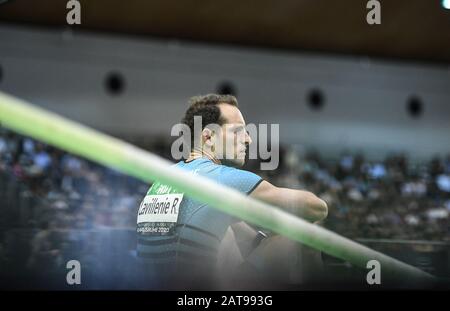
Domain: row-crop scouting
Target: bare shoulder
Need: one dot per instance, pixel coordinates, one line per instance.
(263, 190)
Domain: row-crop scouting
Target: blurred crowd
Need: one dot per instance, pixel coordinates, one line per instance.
(60, 199)
(53, 206)
(389, 199)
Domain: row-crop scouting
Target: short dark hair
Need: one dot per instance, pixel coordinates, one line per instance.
(206, 106)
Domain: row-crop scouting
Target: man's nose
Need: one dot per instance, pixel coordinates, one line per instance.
(248, 139)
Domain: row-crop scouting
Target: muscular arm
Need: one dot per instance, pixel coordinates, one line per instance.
(298, 202)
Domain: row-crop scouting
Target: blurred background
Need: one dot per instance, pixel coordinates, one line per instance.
(363, 110)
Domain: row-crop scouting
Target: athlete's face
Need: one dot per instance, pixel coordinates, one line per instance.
(233, 135)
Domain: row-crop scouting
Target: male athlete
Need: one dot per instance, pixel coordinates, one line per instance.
(192, 245)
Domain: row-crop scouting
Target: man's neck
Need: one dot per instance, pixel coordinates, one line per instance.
(195, 154)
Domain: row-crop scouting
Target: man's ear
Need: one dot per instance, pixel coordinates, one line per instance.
(206, 136)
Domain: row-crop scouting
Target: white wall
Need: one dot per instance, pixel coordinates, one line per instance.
(365, 108)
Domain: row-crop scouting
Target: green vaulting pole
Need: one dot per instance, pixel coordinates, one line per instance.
(73, 137)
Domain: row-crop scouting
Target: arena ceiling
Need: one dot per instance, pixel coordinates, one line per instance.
(417, 30)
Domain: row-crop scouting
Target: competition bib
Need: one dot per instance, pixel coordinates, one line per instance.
(158, 212)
